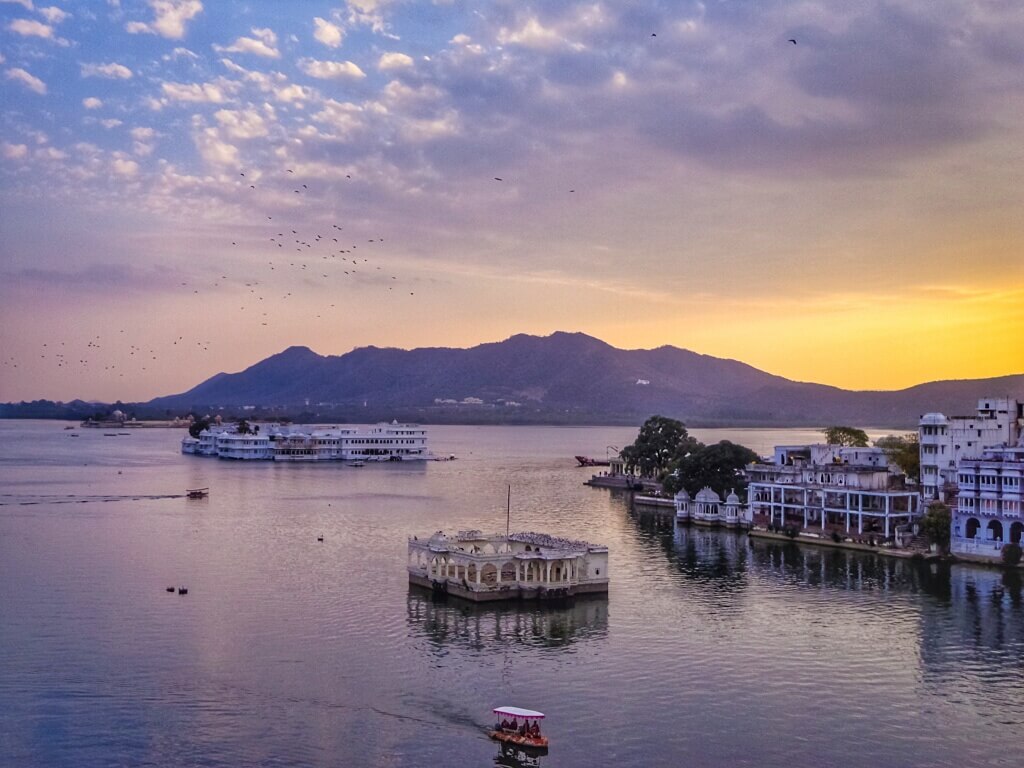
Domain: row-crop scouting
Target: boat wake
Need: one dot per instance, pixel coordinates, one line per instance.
(22, 500)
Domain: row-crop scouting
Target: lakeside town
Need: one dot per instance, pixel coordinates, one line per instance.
(952, 488)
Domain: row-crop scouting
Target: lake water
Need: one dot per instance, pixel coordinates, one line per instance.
(710, 650)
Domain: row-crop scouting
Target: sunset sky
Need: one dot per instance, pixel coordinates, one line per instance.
(848, 209)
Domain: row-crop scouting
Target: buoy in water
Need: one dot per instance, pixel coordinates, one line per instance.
(170, 589)
(182, 590)
(320, 537)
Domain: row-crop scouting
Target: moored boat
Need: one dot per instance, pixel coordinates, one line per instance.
(197, 493)
(509, 730)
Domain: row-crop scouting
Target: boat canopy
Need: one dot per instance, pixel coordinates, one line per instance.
(526, 714)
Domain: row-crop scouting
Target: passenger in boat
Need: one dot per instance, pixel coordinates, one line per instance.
(535, 730)
(515, 725)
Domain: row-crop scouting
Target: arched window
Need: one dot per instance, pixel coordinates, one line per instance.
(972, 527)
(995, 530)
(1015, 532)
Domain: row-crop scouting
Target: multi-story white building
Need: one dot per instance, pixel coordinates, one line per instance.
(306, 442)
(832, 489)
(944, 440)
(990, 502)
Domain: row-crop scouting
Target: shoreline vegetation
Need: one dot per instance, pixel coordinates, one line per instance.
(80, 410)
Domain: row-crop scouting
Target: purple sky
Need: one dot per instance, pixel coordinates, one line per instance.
(844, 210)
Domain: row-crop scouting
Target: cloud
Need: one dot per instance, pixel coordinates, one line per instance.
(110, 122)
(26, 4)
(14, 151)
(193, 92)
(390, 61)
(112, 71)
(91, 102)
(327, 33)
(532, 34)
(53, 14)
(19, 75)
(214, 150)
(169, 18)
(33, 28)
(124, 167)
(242, 123)
(331, 70)
(262, 43)
(294, 93)
(141, 133)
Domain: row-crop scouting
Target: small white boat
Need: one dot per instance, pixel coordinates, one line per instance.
(357, 464)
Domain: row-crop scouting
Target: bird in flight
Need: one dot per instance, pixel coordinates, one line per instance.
(497, 179)
(792, 41)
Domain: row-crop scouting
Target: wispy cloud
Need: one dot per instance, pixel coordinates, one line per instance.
(30, 81)
(111, 71)
(170, 18)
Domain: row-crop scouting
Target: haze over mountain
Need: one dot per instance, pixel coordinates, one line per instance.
(565, 377)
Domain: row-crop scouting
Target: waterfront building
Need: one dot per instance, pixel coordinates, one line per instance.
(308, 442)
(482, 567)
(944, 440)
(989, 503)
(707, 508)
(831, 490)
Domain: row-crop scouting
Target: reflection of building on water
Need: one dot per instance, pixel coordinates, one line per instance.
(512, 756)
(484, 626)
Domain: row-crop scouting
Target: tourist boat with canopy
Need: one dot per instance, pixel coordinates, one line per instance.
(520, 727)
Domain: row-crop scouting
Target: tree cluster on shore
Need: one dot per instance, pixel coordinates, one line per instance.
(664, 450)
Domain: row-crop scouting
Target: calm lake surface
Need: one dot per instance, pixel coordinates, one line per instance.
(710, 650)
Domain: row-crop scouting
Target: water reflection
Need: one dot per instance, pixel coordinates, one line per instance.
(511, 756)
(481, 628)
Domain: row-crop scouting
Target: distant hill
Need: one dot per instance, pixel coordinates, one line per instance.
(562, 378)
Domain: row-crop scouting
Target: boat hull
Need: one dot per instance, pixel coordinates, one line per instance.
(536, 743)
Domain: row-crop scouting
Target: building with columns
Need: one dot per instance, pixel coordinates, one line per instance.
(481, 567)
(707, 508)
(843, 491)
(945, 439)
(989, 503)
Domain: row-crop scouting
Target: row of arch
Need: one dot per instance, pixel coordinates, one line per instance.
(994, 530)
(546, 571)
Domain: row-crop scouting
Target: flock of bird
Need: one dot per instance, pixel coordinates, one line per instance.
(325, 257)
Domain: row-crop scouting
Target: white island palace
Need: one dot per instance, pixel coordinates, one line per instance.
(481, 567)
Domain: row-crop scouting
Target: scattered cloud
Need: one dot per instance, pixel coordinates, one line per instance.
(14, 151)
(243, 123)
(112, 71)
(193, 92)
(92, 102)
(392, 61)
(262, 43)
(124, 167)
(26, 4)
(33, 28)
(140, 133)
(53, 14)
(213, 149)
(331, 70)
(170, 18)
(19, 75)
(328, 33)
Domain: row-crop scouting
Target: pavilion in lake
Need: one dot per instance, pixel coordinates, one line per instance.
(482, 567)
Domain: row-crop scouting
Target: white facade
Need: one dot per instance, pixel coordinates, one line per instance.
(307, 442)
(707, 508)
(476, 566)
(944, 440)
(990, 502)
(851, 492)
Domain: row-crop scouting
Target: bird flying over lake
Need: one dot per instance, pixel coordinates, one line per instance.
(792, 41)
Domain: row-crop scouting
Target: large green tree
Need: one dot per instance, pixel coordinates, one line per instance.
(661, 442)
(935, 524)
(198, 426)
(849, 436)
(719, 467)
(903, 451)
(243, 427)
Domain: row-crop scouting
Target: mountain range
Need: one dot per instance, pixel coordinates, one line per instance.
(562, 378)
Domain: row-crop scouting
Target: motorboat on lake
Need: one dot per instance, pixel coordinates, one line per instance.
(520, 727)
(197, 493)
